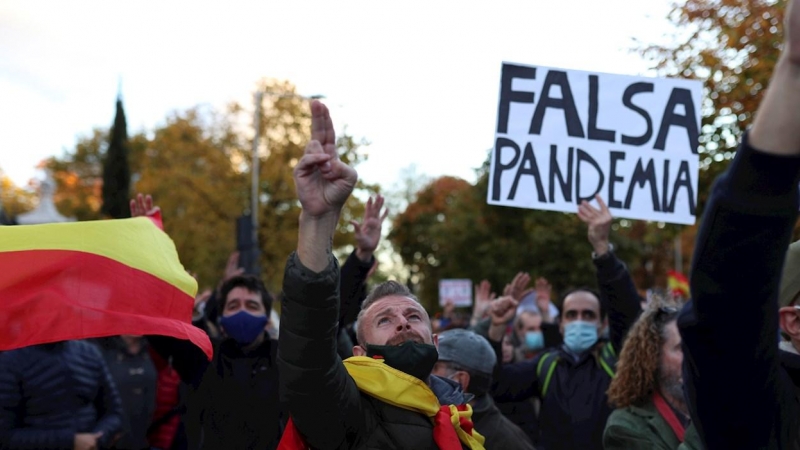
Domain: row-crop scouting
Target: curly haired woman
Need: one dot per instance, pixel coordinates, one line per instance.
(648, 388)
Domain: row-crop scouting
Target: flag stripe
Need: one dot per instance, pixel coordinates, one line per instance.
(54, 295)
(136, 242)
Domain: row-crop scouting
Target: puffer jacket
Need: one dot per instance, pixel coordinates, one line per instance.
(326, 406)
(51, 392)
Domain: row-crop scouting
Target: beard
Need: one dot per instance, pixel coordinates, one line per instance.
(405, 336)
(671, 386)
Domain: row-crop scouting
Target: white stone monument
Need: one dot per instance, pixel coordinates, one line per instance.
(46, 212)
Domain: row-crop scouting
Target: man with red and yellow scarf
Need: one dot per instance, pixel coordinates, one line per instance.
(384, 396)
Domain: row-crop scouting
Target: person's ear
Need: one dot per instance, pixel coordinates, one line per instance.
(436, 341)
(790, 322)
(359, 351)
(462, 378)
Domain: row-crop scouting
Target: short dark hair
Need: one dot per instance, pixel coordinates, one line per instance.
(602, 304)
(383, 290)
(249, 282)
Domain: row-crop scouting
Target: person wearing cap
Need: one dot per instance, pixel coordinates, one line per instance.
(469, 360)
(742, 385)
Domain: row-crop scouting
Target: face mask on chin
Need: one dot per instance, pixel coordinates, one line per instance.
(409, 357)
(243, 327)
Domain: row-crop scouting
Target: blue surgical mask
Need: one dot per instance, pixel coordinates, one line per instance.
(534, 340)
(243, 326)
(579, 336)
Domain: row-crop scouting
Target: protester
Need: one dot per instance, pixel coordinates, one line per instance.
(135, 377)
(167, 431)
(233, 400)
(743, 390)
(357, 268)
(384, 397)
(57, 396)
(469, 360)
(648, 389)
(571, 380)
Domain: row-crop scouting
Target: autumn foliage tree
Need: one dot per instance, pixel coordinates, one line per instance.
(732, 47)
(197, 167)
(449, 231)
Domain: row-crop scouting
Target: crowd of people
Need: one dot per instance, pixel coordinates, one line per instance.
(347, 367)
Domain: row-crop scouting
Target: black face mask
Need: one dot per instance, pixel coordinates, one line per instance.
(409, 357)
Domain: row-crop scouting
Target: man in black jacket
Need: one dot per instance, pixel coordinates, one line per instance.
(387, 399)
(742, 389)
(571, 380)
(468, 359)
(233, 400)
(57, 396)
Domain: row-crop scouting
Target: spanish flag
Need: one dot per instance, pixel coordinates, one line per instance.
(678, 284)
(93, 279)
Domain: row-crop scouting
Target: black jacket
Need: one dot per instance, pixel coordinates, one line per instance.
(574, 408)
(326, 406)
(353, 291)
(500, 433)
(741, 388)
(51, 392)
(135, 377)
(233, 400)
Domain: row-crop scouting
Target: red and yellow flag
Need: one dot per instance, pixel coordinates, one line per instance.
(678, 284)
(93, 279)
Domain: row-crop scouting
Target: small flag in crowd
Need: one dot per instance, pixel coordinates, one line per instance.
(678, 284)
(93, 279)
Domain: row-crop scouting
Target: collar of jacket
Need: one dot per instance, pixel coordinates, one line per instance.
(231, 349)
(790, 361)
(654, 420)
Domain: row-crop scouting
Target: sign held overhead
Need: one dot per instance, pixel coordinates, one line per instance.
(564, 136)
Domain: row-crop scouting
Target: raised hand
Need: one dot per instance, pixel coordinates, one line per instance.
(599, 221)
(543, 297)
(368, 231)
(323, 182)
(518, 288)
(502, 311)
(483, 299)
(143, 205)
(792, 32)
(232, 268)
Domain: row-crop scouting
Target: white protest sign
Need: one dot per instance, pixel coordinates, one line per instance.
(457, 291)
(563, 136)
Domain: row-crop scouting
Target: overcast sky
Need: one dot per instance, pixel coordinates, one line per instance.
(418, 79)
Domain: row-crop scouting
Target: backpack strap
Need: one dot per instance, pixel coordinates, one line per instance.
(545, 369)
(608, 359)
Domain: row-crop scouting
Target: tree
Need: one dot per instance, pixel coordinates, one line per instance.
(13, 199)
(197, 167)
(732, 47)
(449, 231)
(116, 172)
